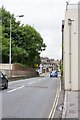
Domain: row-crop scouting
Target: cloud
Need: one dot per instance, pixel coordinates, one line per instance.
(46, 16)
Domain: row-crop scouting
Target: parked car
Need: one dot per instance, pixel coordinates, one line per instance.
(3, 81)
(54, 73)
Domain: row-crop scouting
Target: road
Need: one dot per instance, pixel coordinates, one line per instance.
(30, 98)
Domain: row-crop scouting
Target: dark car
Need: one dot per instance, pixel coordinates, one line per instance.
(53, 73)
(3, 81)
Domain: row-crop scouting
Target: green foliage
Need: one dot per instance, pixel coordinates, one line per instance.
(26, 42)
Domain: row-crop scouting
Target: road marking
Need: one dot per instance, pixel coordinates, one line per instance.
(32, 82)
(54, 104)
(15, 89)
(23, 86)
(43, 78)
(11, 82)
(39, 80)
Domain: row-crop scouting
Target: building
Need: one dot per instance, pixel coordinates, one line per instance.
(47, 64)
(71, 47)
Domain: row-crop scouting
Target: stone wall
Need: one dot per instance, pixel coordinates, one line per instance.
(18, 70)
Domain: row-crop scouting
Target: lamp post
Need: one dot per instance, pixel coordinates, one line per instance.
(10, 42)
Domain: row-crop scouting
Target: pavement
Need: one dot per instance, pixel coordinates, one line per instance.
(71, 105)
(68, 105)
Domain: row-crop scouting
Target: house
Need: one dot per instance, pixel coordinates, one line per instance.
(47, 64)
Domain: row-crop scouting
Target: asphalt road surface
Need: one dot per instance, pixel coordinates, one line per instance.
(29, 98)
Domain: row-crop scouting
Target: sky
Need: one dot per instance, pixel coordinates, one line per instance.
(46, 16)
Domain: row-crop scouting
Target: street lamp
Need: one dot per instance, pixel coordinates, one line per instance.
(10, 41)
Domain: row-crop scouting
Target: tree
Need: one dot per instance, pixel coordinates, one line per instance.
(27, 43)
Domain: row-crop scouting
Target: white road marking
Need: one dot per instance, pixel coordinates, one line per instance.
(22, 86)
(19, 81)
(50, 116)
(32, 82)
(15, 89)
(43, 78)
(54, 104)
(38, 80)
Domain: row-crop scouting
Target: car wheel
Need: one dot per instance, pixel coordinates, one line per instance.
(6, 86)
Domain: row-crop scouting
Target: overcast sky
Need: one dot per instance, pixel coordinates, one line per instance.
(46, 16)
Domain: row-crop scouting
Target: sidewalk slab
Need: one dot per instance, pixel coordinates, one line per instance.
(71, 104)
